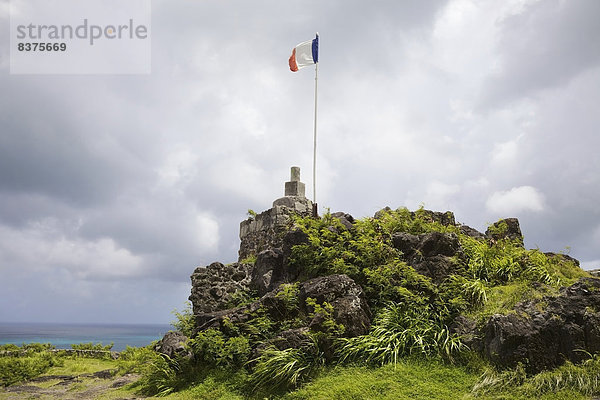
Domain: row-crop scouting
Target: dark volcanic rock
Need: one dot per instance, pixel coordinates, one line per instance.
(346, 297)
(438, 244)
(213, 287)
(172, 344)
(430, 254)
(272, 267)
(513, 231)
(346, 219)
(472, 232)
(544, 333)
(268, 263)
(563, 258)
(437, 267)
(444, 218)
(406, 243)
(467, 329)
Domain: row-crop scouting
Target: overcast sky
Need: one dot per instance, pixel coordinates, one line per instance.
(113, 188)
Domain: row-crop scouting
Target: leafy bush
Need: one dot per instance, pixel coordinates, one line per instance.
(92, 347)
(185, 322)
(133, 359)
(18, 369)
(397, 282)
(288, 293)
(324, 312)
(212, 348)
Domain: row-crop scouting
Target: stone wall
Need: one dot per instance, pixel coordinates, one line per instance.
(266, 230)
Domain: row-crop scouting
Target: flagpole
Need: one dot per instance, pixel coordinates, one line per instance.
(315, 140)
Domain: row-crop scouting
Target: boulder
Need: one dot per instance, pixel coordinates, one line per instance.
(173, 344)
(472, 232)
(406, 243)
(268, 263)
(346, 219)
(542, 334)
(438, 244)
(430, 254)
(512, 231)
(346, 297)
(444, 218)
(467, 329)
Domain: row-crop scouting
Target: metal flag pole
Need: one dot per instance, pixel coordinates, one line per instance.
(315, 207)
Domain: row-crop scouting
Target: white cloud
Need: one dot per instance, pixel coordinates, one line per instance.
(208, 231)
(438, 193)
(42, 247)
(505, 154)
(515, 200)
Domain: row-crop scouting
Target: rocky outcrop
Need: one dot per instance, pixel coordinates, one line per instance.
(444, 218)
(544, 333)
(346, 297)
(215, 286)
(507, 228)
(541, 333)
(272, 267)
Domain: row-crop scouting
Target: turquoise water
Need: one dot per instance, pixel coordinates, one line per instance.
(63, 335)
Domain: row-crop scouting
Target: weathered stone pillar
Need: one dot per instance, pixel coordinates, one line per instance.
(294, 187)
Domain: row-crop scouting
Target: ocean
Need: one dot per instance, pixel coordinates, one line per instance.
(63, 335)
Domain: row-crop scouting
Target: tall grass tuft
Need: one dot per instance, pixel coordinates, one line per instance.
(583, 378)
(287, 368)
(400, 330)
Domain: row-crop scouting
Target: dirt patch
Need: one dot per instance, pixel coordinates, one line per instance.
(70, 387)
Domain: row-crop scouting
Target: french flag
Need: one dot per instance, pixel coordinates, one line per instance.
(305, 54)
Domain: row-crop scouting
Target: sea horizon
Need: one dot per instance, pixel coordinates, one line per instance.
(62, 335)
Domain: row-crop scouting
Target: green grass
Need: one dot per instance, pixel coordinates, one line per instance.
(503, 298)
(413, 378)
(408, 380)
(79, 365)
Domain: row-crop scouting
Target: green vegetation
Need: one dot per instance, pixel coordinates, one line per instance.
(15, 369)
(185, 320)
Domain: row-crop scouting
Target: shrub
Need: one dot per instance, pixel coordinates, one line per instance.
(185, 322)
(212, 348)
(18, 369)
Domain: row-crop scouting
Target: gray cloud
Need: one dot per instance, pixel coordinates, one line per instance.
(544, 46)
(114, 188)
